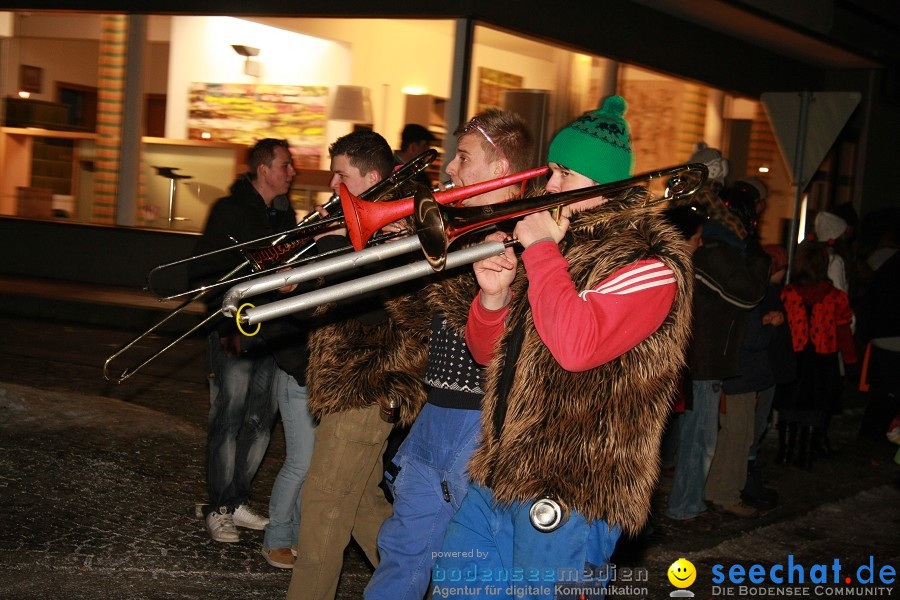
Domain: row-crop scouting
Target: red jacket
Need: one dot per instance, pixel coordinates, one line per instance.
(830, 312)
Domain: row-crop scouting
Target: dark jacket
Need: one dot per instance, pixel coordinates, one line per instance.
(288, 337)
(240, 217)
(731, 276)
(757, 372)
(877, 310)
(781, 351)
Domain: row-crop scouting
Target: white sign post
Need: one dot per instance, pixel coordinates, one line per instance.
(806, 124)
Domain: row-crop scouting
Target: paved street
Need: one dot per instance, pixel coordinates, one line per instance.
(99, 483)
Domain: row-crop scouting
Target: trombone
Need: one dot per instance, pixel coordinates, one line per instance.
(436, 228)
(379, 191)
(357, 216)
(288, 246)
(362, 221)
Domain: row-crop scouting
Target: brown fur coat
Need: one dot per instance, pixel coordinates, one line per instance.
(590, 438)
(354, 365)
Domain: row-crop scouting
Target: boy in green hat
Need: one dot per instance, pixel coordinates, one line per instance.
(583, 343)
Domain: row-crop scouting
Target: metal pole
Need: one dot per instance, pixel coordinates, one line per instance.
(171, 200)
(799, 186)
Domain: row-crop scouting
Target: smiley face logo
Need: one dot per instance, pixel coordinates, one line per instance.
(682, 573)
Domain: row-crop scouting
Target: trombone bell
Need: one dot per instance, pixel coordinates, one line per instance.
(438, 226)
(431, 230)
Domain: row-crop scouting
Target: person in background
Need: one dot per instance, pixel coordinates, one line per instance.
(783, 366)
(287, 337)
(816, 311)
(414, 140)
(782, 359)
(707, 197)
(879, 325)
(428, 476)
(848, 247)
(572, 415)
(737, 421)
(688, 219)
(366, 359)
(754, 187)
(731, 274)
(242, 409)
(830, 231)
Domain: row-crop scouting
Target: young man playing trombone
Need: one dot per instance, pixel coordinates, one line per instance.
(428, 475)
(582, 346)
(365, 357)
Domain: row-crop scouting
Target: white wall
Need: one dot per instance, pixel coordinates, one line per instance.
(541, 66)
(200, 51)
(388, 56)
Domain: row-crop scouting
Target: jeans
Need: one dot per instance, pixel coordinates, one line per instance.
(494, 551)
(699, 429)
(428, 488)
(299, 438)
(241, 414)
(341, 498)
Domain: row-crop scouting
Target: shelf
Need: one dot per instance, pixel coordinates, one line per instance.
(63, 162)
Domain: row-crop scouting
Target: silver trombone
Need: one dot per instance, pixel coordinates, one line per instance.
(436, 228)
(285, 248)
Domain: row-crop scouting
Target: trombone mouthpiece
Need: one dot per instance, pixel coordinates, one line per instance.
(443, 187)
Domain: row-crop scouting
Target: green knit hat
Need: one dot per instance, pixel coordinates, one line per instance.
(597, 145)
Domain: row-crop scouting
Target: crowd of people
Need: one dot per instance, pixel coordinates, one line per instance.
(768, 351)
(535, 389)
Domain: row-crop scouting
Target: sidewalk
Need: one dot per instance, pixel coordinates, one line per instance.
(98, 487)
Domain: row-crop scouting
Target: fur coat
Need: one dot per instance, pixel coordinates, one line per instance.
(354, 363)
(590, 439)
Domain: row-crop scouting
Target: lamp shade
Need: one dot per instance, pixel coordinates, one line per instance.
(351, 103)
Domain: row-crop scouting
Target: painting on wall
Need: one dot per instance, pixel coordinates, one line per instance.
(243, 113)
(491, 84)
(30, 79)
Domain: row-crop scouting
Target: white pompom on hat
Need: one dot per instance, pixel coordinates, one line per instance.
(829, 227)
(713, 159)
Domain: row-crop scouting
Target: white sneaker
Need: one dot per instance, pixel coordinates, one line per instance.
(220, 525)
(244, 517)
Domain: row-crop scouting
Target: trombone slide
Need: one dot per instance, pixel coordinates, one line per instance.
(368, 283)
(328, 266)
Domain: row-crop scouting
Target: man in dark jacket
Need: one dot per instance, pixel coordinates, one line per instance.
(242, 409)
(731, 272)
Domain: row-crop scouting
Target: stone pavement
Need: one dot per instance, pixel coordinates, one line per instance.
(98, 487)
